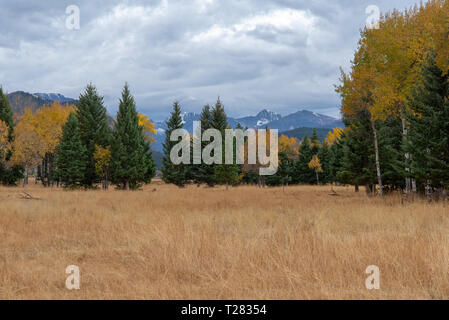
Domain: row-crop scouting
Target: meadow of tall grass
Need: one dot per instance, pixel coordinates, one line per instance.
(211, 243)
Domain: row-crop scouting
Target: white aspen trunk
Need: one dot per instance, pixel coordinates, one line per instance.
(376, 151)
(408, 186)
(429, 194)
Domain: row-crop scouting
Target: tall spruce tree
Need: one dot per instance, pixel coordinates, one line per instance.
(6, 114)
(428, 137)
(324, 156)
(131, 160)
(71, 155)
(203, 173)
(302, 173)
(8, 175)
(335, 159)
(227, 174)
(93, 128)
(391, 154)
(171, 173)
(284, 174)
(358, 166)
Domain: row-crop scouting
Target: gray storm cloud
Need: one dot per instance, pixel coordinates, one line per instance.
(283, 55)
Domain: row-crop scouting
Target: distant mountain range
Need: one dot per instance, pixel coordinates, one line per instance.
(271, 119)
(297, 124)
(20, 100)
(304, 120)
(55, 97)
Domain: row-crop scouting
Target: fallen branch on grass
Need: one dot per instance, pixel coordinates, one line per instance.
(26, 196)
(333, 193)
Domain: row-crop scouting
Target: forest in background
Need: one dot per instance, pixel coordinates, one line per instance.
(394, 103)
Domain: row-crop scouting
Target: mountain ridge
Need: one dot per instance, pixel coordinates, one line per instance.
(265, 118)
(304, 119)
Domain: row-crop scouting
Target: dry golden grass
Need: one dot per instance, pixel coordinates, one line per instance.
(200, 243)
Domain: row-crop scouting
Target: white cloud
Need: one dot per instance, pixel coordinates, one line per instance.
(281, 20)
(281, 54)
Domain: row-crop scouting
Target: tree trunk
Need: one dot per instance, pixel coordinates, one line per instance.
(261, 181)
(368, 190)
(50, 170)
(429, 193)
(376, 151)
(126, 185)
(356, 188)
(44, 171)
(317, 178)
(408, 185)
(25, 178)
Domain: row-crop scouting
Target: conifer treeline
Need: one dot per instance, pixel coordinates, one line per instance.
(86, 152)
(87, 138)
(394, 102)
(200, 173)
(308, 162)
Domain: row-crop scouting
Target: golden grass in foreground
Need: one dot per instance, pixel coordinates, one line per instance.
(200, 243)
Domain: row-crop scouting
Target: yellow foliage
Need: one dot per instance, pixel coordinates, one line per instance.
(27, 145)
(4, 140)
(315, 164)
(388, 61)
(39, 133)
(102, 158)
(147, 125)
(289, 145)
(334, 135)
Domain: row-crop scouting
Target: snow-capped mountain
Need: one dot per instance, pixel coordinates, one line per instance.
(306, 119)
(260, 120)
(20, 100)
(265, 118)
(54, 97)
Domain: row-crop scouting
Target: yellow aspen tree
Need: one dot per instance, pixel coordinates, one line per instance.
(334, 135)
(315, 164)
(102, 158)
(148, 126)
(4, 140)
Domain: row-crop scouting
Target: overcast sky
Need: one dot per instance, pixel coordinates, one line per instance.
(282, 55)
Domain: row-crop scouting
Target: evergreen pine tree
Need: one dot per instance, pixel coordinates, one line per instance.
(71, 155)
(314, 139)
(219, 120)
(131, 160)
(357, 162)
(302, 173)
(93, 128)
(335, 159)
(428, 136)
(324, 156)
(8, 175)
(283, 176)
(227, 174)
(6, 114)
(204, 173)
(171, 173)
(391, 154)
